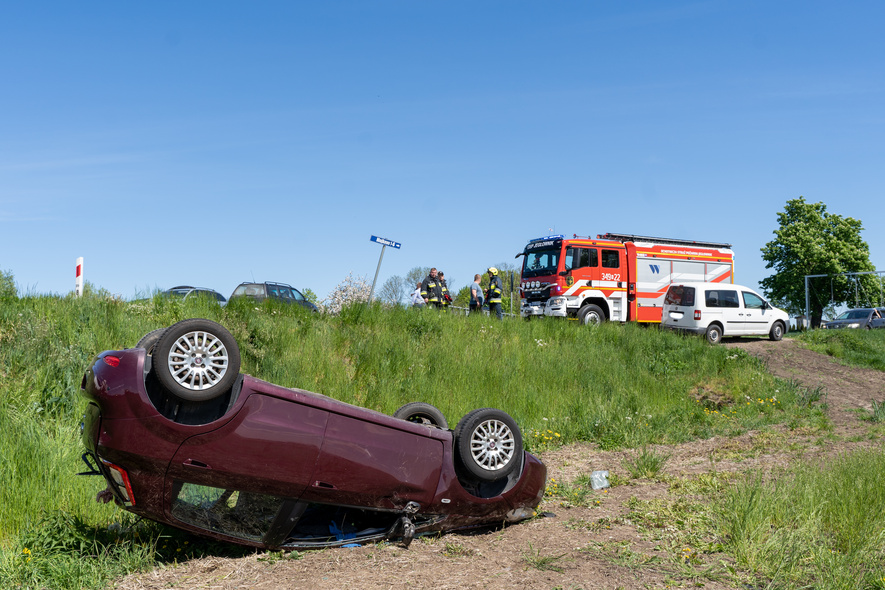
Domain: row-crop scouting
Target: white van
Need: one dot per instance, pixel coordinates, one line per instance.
(721, 309)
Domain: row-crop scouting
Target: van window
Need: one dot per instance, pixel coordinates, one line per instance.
(611, 259)
(722, 298)
(753, 301)
(679, 295)
(581, 258)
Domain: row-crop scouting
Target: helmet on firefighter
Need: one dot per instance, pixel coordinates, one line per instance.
(493, 270)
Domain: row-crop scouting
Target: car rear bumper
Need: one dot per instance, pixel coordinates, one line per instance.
(687, 329)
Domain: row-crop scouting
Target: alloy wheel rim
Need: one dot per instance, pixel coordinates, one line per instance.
(198, 360)
(492, 445)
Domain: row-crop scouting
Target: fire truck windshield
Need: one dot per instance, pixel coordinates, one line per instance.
(540, 262)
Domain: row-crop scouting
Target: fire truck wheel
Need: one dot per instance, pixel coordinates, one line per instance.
(421, 413)
(591, 315)
(196, 360)
(714, 333)
(149, 340)
(488, 444)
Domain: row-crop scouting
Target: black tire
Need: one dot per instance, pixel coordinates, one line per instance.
(591, 315)
(489, 444)
(421, 413)
(197, 360)
(149, 340)
(777, 331)
(714, 334)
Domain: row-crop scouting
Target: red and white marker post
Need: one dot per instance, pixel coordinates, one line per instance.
(78, 285)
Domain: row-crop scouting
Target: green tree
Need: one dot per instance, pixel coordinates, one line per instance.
(393, 291)
(7, 286)
(396, 289)
(311, 296)
(415, 276)
(811, 241)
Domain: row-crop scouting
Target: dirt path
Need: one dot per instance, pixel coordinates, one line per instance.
(579, 542)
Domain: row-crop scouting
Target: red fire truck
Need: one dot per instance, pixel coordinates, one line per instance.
(616, 277)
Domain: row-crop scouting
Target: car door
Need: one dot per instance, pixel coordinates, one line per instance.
(270, 446)
(243, 480)
(722, 305)
(756, 314)
(364, 462)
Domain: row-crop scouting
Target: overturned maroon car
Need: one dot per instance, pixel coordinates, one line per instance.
(183, 438)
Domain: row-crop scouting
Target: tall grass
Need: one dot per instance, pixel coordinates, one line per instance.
(818, 526)
(615, 385)
(863, 348)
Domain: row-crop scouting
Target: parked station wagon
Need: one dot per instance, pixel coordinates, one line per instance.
(721, 309)
(865, 318)
(183, 438)
(279, 291)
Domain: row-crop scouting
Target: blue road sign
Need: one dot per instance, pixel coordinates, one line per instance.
(385, 242)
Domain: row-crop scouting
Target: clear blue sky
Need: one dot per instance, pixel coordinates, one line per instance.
(208, 142)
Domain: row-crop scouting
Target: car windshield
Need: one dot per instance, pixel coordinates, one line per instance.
(541, 262)
(854, 314)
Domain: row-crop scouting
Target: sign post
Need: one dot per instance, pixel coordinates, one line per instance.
(78, 282)
(384, 244)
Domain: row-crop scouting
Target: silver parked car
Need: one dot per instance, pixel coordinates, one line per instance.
(186, 291)
(864, 317)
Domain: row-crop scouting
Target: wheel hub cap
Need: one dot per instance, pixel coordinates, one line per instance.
(492, 445)
(198, 360)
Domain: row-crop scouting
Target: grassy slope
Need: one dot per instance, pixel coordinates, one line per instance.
(617, 386)
(860, 348)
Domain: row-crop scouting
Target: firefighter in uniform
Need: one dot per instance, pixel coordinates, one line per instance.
(431, 289)
(494, 292)
(446, 299)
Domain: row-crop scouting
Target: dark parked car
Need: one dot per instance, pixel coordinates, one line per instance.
(865, 317)
(181, 437)
(186, 291)
(281, 291)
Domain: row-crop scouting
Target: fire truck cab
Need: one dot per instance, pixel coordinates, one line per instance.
(614, 277)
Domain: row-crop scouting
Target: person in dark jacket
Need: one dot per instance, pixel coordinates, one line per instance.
(494, 292)
(431, 289)
(446, 298)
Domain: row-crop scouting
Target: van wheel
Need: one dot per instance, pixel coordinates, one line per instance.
(714, 334)
(591, 315)
(777, 331)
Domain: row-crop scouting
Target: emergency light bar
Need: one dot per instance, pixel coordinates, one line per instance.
(556, 237)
